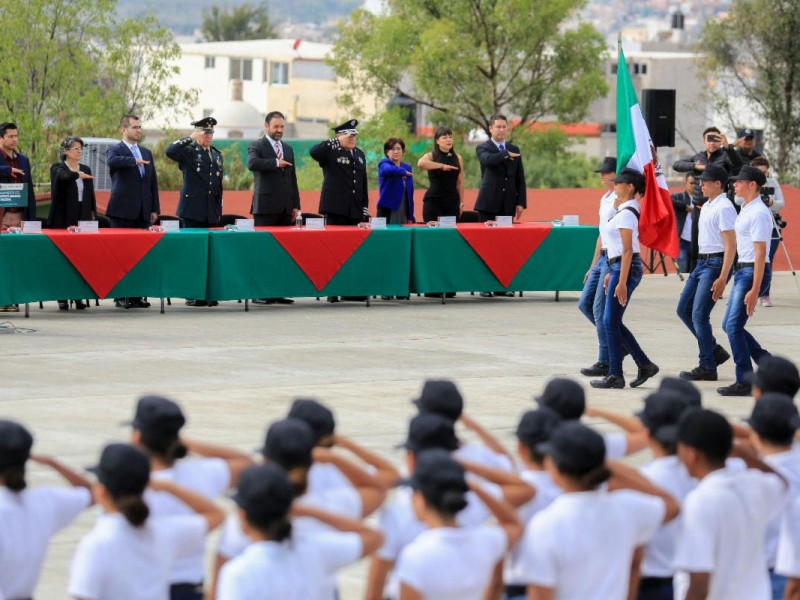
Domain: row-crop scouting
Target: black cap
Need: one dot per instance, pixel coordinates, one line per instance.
(207, 124)
(565, 396)
(706, 431)
(316, 415)
(714, 173)
(745, 133)
(441, 396)
(436, 472)
(15, 444)
(347, 128)
(429, 430)
(158, 416)
(748, 173)
(536, 426)
(264, 493)
(609, 165)
(289, 443)
(661, 414)
(775, 417)
(776, 374)
(632, 176)
(575, 448)
(683, 387)
(124, 470)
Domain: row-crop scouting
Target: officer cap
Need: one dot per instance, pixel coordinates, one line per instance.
(347, 128)
(206, 124)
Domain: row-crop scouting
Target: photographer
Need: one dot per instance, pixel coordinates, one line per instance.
(772, 196)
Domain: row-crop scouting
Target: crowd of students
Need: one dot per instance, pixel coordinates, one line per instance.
(713, 514)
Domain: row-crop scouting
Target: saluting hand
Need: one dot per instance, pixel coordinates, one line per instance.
(82, 175)
(513, 155)
(19, 172)
(448, 167)
(141, 161)
(284, 163)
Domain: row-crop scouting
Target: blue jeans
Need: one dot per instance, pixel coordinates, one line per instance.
(778, 583)
(617, 334)
(743, 344)
(683, 256)
(766, 283)
(593, 302)
(695, 306)
(656, 592)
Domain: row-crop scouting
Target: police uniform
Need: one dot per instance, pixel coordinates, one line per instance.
(200, 204)
(343, 199)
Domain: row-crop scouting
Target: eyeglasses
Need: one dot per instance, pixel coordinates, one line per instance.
(76, 148)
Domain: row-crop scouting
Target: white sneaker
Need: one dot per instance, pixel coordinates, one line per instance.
(765, 301)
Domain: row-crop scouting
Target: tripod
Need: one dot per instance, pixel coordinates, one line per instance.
(657, 260)
(779, 231)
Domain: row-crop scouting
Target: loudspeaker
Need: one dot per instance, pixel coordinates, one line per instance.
(658, 108)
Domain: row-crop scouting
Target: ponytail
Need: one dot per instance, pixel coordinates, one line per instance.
(169, 449)
(14, 478)
(592, 479)
(448, 503)
(133, 508)
(280, 530)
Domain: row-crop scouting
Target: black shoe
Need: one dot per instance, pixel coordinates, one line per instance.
(407, 297)
(196, 303)
(139, 303)
(645, 373)
(386, 297)
(354, 298)
(598, 369)
(80, 305)
(123, 303)
(699, 374)
(212, 303)
(487, 294)
(263, 301)
(283, 300)
(616, 382)
(333, 299)
(504, 294)
(448, 295)
(433, 295)
(735, 389)
(63, 305)
(721, 355)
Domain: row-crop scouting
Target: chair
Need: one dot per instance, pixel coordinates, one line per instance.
(103, 222)
(469, 216)
(167, 218)
(229, 220)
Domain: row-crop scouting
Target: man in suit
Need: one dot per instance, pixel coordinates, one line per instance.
(134, 187)
(682, 204)
(276, 199)
(502, 191)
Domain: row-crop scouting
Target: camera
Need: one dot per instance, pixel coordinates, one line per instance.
(713, 138)
(767, 191)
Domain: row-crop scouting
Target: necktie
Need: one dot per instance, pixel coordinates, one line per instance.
(138, 156)
(278, 152)
(502, 147)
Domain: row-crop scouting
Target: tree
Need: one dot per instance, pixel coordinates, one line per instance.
(244, 22)
(469, 59)
(752, 56)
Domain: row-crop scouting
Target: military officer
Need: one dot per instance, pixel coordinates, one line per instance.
(343, 199)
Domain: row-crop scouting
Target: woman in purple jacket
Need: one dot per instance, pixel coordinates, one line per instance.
(396, 183)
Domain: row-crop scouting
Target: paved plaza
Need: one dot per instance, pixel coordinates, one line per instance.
(75, 378)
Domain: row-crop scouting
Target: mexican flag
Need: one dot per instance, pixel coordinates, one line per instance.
(635, 150)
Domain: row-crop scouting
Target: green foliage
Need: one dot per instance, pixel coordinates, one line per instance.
(244, 22)
(752, 56)
(236, 175)
(549, 163)
(469, 59)
(170, 176)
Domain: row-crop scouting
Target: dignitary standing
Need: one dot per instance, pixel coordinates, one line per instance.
(276, 199)
(200, 204)
(717, 245)
(15, 168)
(502, 190)
(753, 232)
(343, 199)
(446, 176)
(396, 183)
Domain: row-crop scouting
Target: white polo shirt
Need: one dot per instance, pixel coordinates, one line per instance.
(28, 519)
(754, 224)
(295, 569)
(209, 477)
(325, 476)
(623, 219)
(116, 561)
(787, 561)
(669, 474)
(716, 216)
(481, 454)
(787, 464)
(607, 212)
(722, 530)
(452, 563)
(581, 546)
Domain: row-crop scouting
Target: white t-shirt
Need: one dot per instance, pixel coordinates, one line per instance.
(754, 224)
(581, 546)
(716, 216)
(28, 519)
(669, 474)
(788, 559)
(325, 476)
(452, 563)
(623, 219)
(722, 532)
(481, 454)
(616, 445)
(291, 570)
(607, 212)
(788, 465)
(116, 561)
(209, 477)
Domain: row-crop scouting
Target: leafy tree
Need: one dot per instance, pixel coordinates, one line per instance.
(752, 55)
(469, 59)
(244, 22)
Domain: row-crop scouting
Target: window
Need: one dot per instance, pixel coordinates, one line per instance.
(614, 68)
(639, 69)
(279, 73)
(312, 69)
(211, 62)
(241, 68)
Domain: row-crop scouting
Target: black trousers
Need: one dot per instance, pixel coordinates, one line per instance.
(118, 223)
(273, 220)
(432, 210)
(340, 220)
(192, 224)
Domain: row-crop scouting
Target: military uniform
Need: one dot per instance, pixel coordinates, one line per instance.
(343, 198)
(200, 203)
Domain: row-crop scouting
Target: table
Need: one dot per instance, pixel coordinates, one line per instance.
(112, 263)
(525, 257)
(283, 262)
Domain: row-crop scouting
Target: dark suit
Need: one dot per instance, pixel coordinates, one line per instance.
(502, 181)
(201, 193)
(66, 209)
(344, 186)
(133, 196)
(29, 212)
(275, 193)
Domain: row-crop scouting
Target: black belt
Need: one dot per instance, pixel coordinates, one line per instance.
(744, 265)
(185, 587)
(516, 590)
(617, 259)
(712, 255)
(648, 583)
(603, 252)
